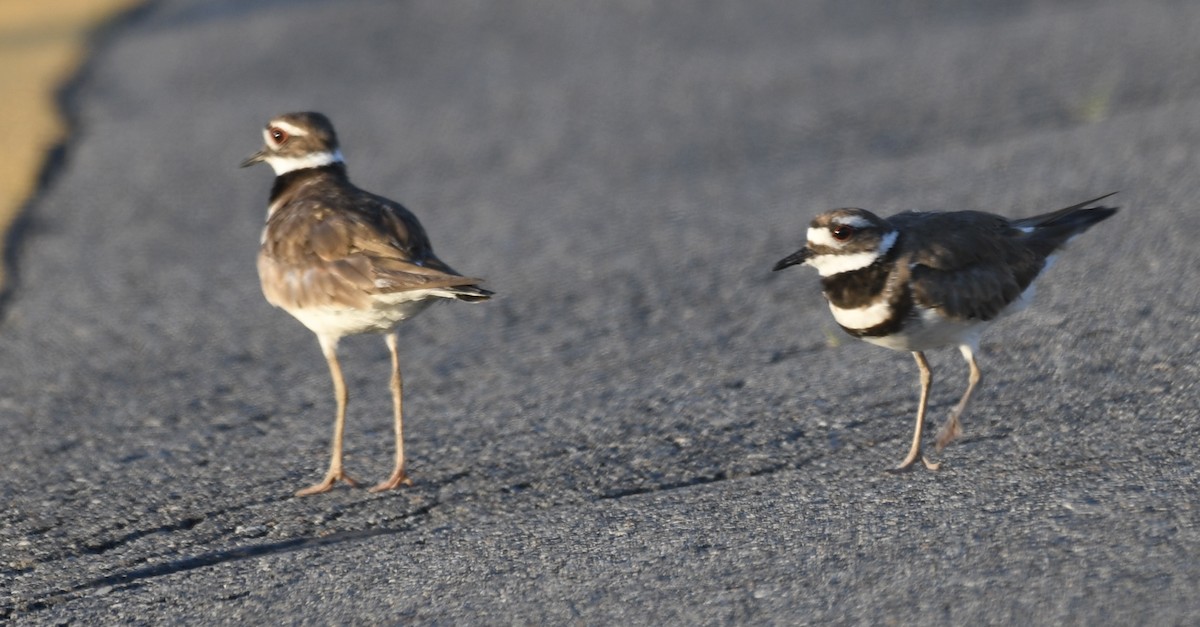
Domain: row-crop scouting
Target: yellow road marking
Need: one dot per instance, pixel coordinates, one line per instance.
(42, 43)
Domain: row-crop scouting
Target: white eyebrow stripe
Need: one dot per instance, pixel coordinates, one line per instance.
(857, 222)
(291, 129)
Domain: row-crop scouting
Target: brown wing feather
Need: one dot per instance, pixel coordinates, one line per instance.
(315, 256)
(954, 266)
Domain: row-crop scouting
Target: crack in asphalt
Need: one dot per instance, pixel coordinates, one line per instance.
(129, 578)
(107, 545)
(716, 477)
(98, 547)
(236, 554)
(621, 493)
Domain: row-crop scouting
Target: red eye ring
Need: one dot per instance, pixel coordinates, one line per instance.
(277, 134)
(842, 232)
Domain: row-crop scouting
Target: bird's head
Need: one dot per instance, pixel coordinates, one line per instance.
(843, 240)
(295, 141)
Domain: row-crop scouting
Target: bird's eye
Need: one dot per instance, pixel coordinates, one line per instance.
(278, 135)
(842, 232)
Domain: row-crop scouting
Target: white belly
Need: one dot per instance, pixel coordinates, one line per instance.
(386, 311)
(926, 331)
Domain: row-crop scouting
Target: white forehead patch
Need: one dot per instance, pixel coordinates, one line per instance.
(834, 263)
(283, 165)
(291, 129)
(821, 237)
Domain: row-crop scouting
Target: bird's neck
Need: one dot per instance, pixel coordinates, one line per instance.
(289, 180)
(856, 288)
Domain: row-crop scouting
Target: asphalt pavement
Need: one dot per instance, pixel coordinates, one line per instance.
(646, 425)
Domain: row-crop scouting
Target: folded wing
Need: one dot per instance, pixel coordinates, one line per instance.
(320, 257)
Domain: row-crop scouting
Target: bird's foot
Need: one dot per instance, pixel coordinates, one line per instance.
(398, 478)
(327, 484)
(908, 464)
(952, 429)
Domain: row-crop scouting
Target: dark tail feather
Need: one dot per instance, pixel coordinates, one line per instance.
(1065, 223)
(1082, 204)
(471, 293)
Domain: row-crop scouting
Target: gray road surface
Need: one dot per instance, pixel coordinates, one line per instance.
(647, 426)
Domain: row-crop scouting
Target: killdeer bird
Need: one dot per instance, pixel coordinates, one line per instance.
(919, 281)
(344, 261)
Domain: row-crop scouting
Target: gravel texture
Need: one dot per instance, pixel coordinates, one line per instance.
(646, 426)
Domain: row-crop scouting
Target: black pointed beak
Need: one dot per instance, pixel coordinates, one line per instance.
(796, 258)
(257, 157)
